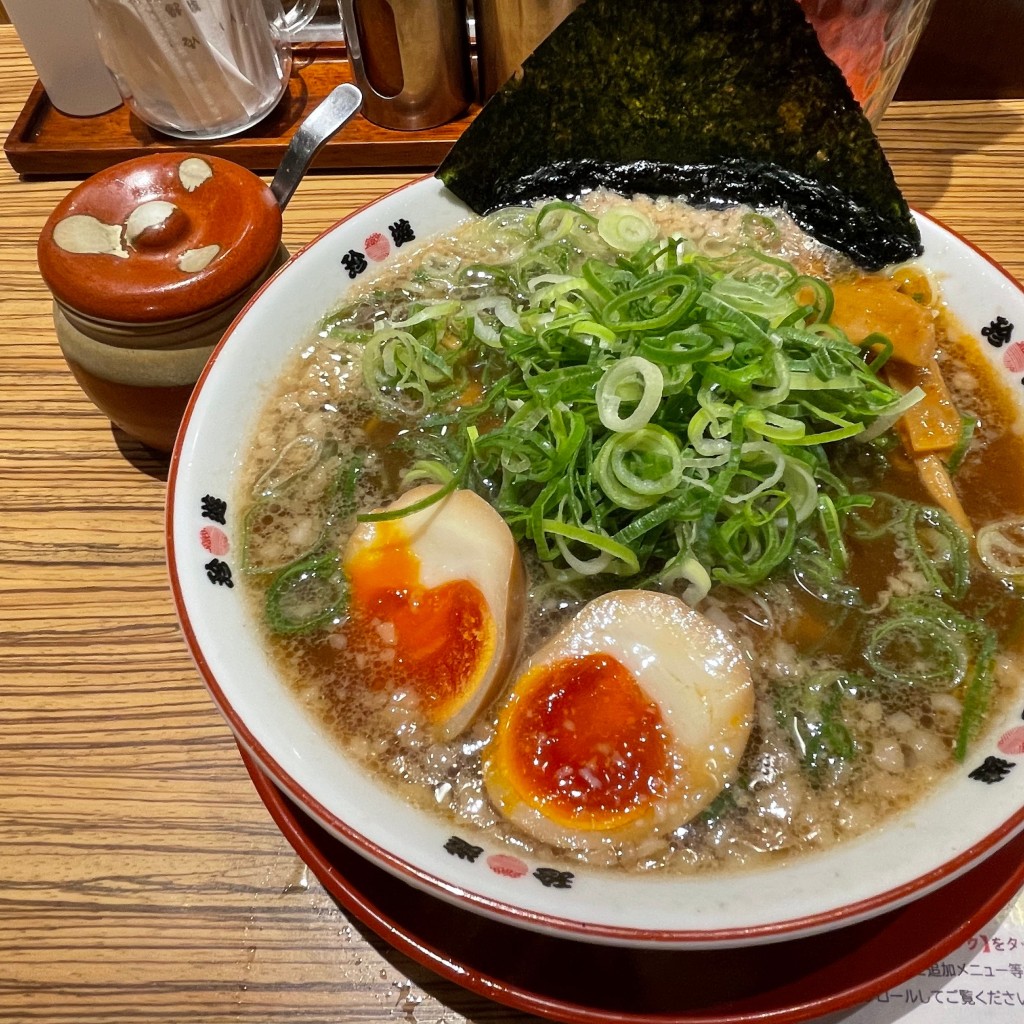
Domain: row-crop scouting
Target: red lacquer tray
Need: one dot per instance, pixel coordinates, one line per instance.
(582, 983)
(43, 141)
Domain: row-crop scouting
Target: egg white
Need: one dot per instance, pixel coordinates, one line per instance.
(688, 667)
(461, 537)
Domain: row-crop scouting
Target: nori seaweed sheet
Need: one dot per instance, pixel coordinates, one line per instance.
(715, 101)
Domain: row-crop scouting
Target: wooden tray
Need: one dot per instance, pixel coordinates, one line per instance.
(43, 141)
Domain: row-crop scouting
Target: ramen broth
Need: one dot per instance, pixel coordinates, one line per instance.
(832, 753)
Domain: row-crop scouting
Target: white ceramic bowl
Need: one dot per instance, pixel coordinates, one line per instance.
(966, 819)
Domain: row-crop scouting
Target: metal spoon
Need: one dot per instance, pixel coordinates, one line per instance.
(340, 106)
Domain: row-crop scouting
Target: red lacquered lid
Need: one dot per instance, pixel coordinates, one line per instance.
(159, 238)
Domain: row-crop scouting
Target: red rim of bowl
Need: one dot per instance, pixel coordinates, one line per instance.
(489, 985)
(498, 909)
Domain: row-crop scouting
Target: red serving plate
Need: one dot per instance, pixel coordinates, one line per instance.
(584, 983)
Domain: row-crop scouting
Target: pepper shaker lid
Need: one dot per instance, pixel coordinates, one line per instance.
(159, 237)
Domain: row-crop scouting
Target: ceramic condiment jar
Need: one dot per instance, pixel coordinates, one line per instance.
(148, 262)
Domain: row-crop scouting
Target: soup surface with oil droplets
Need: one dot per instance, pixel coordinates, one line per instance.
(643, 536)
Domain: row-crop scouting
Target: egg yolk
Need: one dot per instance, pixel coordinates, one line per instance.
(441, 638)
(583, 743)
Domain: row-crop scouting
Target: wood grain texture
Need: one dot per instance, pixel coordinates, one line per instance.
(141, 880)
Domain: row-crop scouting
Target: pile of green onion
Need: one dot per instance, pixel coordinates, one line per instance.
(638, 407)
(649, 408)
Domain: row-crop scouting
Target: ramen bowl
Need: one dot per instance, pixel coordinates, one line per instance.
(973, 811)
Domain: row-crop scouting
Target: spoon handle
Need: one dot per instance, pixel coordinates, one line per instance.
(340, 106)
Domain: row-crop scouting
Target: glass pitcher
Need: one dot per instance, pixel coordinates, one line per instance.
(199, 69)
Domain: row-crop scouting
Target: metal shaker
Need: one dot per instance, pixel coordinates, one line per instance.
(410, 59)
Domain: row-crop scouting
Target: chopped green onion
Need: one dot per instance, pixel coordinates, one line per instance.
(811, 713)
(391, 514)
(888, 417)
(910, 651)
(306, 595)
(940, 547)
(977, 694)
(968, 425)
(688, 568)
(605, 545)
(633, 379)
(677, 401)
(1001, 547)
(561, 220)
(626, 228)
(297, 457)
(635, 469)
(925, 643)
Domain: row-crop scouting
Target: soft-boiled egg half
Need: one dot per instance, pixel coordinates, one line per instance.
(626, 724)
(437, 596)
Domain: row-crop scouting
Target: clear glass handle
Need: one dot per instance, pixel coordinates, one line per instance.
(299, 16)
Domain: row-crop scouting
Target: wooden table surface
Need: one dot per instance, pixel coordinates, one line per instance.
(141, 878)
